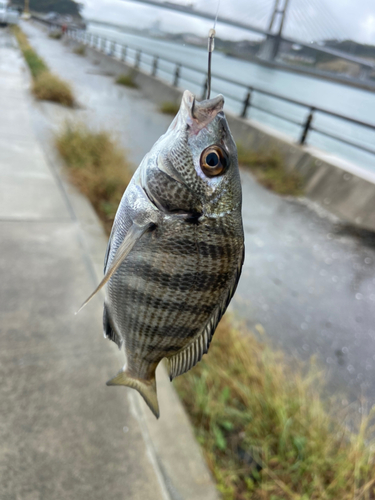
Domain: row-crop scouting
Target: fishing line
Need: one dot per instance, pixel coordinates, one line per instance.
(211, 46)
(217, 13)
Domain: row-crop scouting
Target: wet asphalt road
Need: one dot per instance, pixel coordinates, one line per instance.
(308, 280)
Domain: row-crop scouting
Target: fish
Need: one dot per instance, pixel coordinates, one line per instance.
(176, 248)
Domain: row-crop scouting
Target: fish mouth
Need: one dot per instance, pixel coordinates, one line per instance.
(200, 113)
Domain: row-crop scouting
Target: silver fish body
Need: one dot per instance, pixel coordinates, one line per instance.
(176, 249)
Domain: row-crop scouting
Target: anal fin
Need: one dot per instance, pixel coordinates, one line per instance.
(184, 360)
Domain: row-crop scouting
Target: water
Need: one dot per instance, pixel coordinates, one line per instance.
(349, 101)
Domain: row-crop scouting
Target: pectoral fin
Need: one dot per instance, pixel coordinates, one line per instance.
(132, 236)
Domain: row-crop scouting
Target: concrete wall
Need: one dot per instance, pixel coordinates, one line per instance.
(345, 189)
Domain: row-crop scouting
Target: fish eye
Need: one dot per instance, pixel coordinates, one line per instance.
(213, 161)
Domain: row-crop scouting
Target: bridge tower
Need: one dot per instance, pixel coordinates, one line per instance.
(270, 47)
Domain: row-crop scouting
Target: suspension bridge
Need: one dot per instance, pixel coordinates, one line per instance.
(306, 23)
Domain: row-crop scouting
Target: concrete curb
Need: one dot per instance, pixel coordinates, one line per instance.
(345, 189)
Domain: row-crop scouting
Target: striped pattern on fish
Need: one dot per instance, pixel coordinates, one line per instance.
(168, 288)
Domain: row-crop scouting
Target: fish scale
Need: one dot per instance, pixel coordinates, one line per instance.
(176, 248)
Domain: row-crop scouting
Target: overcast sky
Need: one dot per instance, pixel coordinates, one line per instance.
(306, 19)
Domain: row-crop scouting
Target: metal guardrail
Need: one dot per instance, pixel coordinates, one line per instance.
(121, 52)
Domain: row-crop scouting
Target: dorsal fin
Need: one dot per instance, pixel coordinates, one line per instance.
(187, 358)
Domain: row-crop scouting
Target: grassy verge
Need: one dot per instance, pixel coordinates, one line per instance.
(269, 171)
(46, 85)
(97, 166)
(169, 108)
(264, 430)
(49, 87)
(127, 80)
(80, 50)
(55, 35)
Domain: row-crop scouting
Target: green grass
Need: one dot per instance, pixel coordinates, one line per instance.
(169, 108)
(97, 166)
(265, 431)
(46, 86)
(127, 80)
(80, 50)
(269, 171)
(35, 63)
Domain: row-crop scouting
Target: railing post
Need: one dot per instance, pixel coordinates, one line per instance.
(123, 53)
(306, 127)
(103, 44)
(246, 103)
(155, 66)
(176, 75)
(113, 49)
(204, 89)
(138, 59)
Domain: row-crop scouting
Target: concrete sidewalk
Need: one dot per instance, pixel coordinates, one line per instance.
(63, 433)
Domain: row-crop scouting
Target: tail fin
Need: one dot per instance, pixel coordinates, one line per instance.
(147, 389)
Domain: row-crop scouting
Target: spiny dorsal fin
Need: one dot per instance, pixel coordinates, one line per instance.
(184, 360)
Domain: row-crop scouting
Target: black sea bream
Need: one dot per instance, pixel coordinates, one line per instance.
(176, 248)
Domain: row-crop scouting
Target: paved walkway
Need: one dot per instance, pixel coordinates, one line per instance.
(63, 433)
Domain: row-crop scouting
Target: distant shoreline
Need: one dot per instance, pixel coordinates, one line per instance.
(322, 75)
